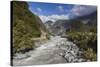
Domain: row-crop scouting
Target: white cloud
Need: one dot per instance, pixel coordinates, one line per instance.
(80, 10)
(77, 10)
(60, 8)
(39, 9)
(44, 18)
(53, 17)
(59, 17)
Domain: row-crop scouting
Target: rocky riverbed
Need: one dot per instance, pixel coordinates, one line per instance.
(56, 50)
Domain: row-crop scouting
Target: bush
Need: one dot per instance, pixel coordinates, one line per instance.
(86, 41)
(23, 44)
(90, 54)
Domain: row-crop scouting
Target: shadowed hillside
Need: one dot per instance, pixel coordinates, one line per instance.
(26, 25)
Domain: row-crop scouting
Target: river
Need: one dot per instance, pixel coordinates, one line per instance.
(56, 50)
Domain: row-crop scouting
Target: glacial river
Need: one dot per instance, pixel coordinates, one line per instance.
(56, 50)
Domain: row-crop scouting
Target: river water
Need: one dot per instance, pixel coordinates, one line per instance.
(56, 50)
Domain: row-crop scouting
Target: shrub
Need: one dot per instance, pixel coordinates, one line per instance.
(86, 41)
(90, 54)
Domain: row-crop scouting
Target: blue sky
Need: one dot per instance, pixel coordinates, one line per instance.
(48, 8)
(52, 11)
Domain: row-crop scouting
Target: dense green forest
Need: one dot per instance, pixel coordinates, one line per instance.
(26, 25)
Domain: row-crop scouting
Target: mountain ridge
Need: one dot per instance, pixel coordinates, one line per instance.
(26, 25)
(84, 23)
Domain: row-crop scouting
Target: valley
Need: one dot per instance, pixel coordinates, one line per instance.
(35, 42)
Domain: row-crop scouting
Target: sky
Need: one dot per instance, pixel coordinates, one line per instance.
(54, 11)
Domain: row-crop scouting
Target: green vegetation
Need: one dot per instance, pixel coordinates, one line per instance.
(90, 54)
(26, 25)
(78, 26)
(84, 35)
(86, 41)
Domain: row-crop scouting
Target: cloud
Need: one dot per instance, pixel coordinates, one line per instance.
(60, 8)
(53, 17)
(44, 18)
(39, 9)
(81, 10)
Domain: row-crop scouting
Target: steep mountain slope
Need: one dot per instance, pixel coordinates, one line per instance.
(62, 26)
(26, 25)
(92, 18)
(79, 24)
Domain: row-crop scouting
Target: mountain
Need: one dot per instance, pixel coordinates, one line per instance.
(25, 25)
(48, 25)
(83, 23)
(58, 27)
(92, 21)
(92, 18)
